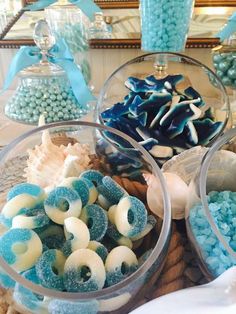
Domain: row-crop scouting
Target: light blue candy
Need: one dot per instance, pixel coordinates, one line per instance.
(6, 281)
(77, 281)
(120, 274)
(112, 191)
(96, 219)
(94, 176)
(8, 239)
(66, 307)
(222, 208)
(44, 269)
(23, 296)
(25, 188)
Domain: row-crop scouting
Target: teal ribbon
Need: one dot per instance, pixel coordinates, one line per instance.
(60, 55)
(229, 28)
(87, 6)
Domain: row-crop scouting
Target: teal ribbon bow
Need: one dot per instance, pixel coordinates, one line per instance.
(87, 6)
(60, 55)
(229, 28)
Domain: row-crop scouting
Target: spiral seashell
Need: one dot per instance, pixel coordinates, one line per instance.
(48, 164)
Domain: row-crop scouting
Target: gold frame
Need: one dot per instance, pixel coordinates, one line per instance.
(120, 43)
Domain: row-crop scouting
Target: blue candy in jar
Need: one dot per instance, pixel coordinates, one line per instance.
(224, 60)
(165, 24)
(51, 96)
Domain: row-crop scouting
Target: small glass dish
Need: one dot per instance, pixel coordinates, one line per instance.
(211, 208)
(119, 297)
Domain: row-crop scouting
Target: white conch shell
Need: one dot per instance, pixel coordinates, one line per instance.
(216, 297)
(177, 189)
(48, 164)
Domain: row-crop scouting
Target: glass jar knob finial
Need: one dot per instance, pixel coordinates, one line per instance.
(43, 37)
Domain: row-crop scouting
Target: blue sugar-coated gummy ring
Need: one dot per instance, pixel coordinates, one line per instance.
(25, 188)
(6, 281)
(26, 297)
(96, 219)
(130, 216)
(49, 269)
(52, 237)
(33, 218)
(66, 307)
(120, 263)
(61, 203)
(81, 186)
(116, 236)
(84, 271)
(94, 176)
(26, 243)
(98, 248)
(82, 189)
(112, 191)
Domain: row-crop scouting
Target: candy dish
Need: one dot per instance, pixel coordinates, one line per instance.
(217, 297)
(109, 239)
(155, 99)
(210, 209)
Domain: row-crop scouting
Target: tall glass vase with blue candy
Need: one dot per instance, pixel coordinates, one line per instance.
(69, 22)
(165, 24)
(211, 209)
(224, 60)
(166, 114)
(73, 238)
(50, 83)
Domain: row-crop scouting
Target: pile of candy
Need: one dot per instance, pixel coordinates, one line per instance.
(225, 65)
(155, 113)
(165, 24)
(50, 96)
(102, 224)
(223, 210)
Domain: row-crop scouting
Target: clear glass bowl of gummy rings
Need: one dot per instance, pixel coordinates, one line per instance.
(166, 102)
(73, 238)
(211, 209)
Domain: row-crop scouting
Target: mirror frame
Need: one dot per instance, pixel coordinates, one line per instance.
(119, 43)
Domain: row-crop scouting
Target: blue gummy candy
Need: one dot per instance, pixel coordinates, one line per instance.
(25, 188)
(76, 307)
(44, 269)
(96, 219)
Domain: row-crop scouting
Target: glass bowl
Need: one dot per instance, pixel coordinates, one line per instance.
(152, 95)
(211, 208)
(29, 296)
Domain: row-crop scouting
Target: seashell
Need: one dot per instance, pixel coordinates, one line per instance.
(216, 297)
(48, 164)
(177, 188)
(186, 164)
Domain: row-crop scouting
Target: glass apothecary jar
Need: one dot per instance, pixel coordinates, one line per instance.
(27, 293)
(44, 89)
(211, 208)
(165, 24)
(69, 22)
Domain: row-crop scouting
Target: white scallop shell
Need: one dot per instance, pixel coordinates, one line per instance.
(48, 164)
(177, 189)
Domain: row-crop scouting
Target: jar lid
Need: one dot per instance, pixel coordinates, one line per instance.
(43, 68)
(44, 40)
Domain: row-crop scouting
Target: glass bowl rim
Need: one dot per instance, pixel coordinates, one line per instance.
(157, 250)
(145, 57)
(204, 167)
